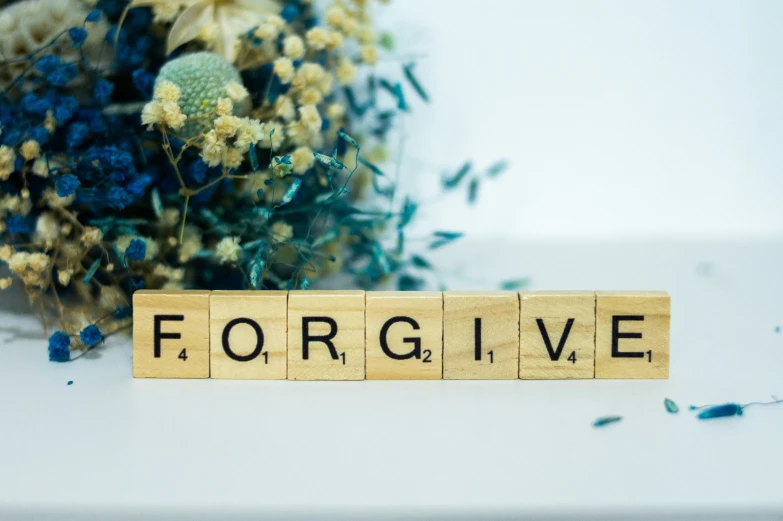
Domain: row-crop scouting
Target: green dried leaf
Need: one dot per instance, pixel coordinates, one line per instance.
(93, 268)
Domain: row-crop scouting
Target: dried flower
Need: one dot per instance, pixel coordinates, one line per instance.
(228, 249)
(59, 347)
(91, 335)
(235, 18)
(30, 149)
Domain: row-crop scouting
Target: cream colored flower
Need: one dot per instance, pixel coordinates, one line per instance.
(30, 150)
(284, 69)
(302, 160)
(46, 227)
(7, 159)
(281, 231)
(236, 91)
(228, 250)
(285, 109)
(227, 126)
(369, 55)
(213, 149)
(310, 118)
(225, 107)
(233, 18)
(91, 236)
(311, 96)
(64, 276)
(336, 41)
(40, 167)
(317, 38)
(250, 131)
(167, 91)
(50, 124)
(345, 72)
(335, 111)
(293, 47)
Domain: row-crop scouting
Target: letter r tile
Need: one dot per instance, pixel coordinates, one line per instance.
(404, 335)
(171, 334)
(326, 335)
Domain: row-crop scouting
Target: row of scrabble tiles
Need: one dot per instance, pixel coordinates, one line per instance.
(378, 335)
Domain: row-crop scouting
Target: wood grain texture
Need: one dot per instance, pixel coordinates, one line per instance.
(425, 309)
(644, 357)
(261, 357)
(498, 335)
(192, 306)
(553, 311)
(346, 360)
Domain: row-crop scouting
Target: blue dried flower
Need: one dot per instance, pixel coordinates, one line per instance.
(91, 335)
(118, 198)
(94, 16)
(78, 36)
(76, 135)
(47, 64)
(18, 224)
(66, 185)
(290, 13)
(102, 92)
(39, 134)
(63, 75)
(122, 312)
(143, 81)
(136, 250)
(65, 108)
(59, 344)
(137, 186)
(35, 105)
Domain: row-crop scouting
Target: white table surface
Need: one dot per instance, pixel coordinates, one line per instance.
(110, 447)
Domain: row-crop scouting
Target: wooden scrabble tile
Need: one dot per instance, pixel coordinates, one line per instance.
(480, 335)
(326, 335)
(556, 335)
(632, 334)
(171, 334)
(248, 335)
(404, 335)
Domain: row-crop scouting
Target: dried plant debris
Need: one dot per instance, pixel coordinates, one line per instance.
(202, 156)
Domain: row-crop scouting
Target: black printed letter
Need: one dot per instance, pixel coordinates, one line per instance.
(415, 353)
(159, 336)
(326, 339)
(477, 338)
(259, 341)
(616, 336)
(554, 355)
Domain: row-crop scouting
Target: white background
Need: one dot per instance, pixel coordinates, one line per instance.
(620, 118)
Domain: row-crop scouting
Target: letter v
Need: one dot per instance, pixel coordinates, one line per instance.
(554, 355)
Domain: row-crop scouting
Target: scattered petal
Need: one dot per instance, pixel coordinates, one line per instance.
(606, 420)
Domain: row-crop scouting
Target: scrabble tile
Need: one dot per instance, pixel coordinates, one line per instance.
(326, 335)
(171, 334)
(556, 335)
(248, 335)
(480, 335)
(404, 335)
(632, 334)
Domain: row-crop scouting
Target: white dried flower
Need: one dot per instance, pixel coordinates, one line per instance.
(228, 250)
